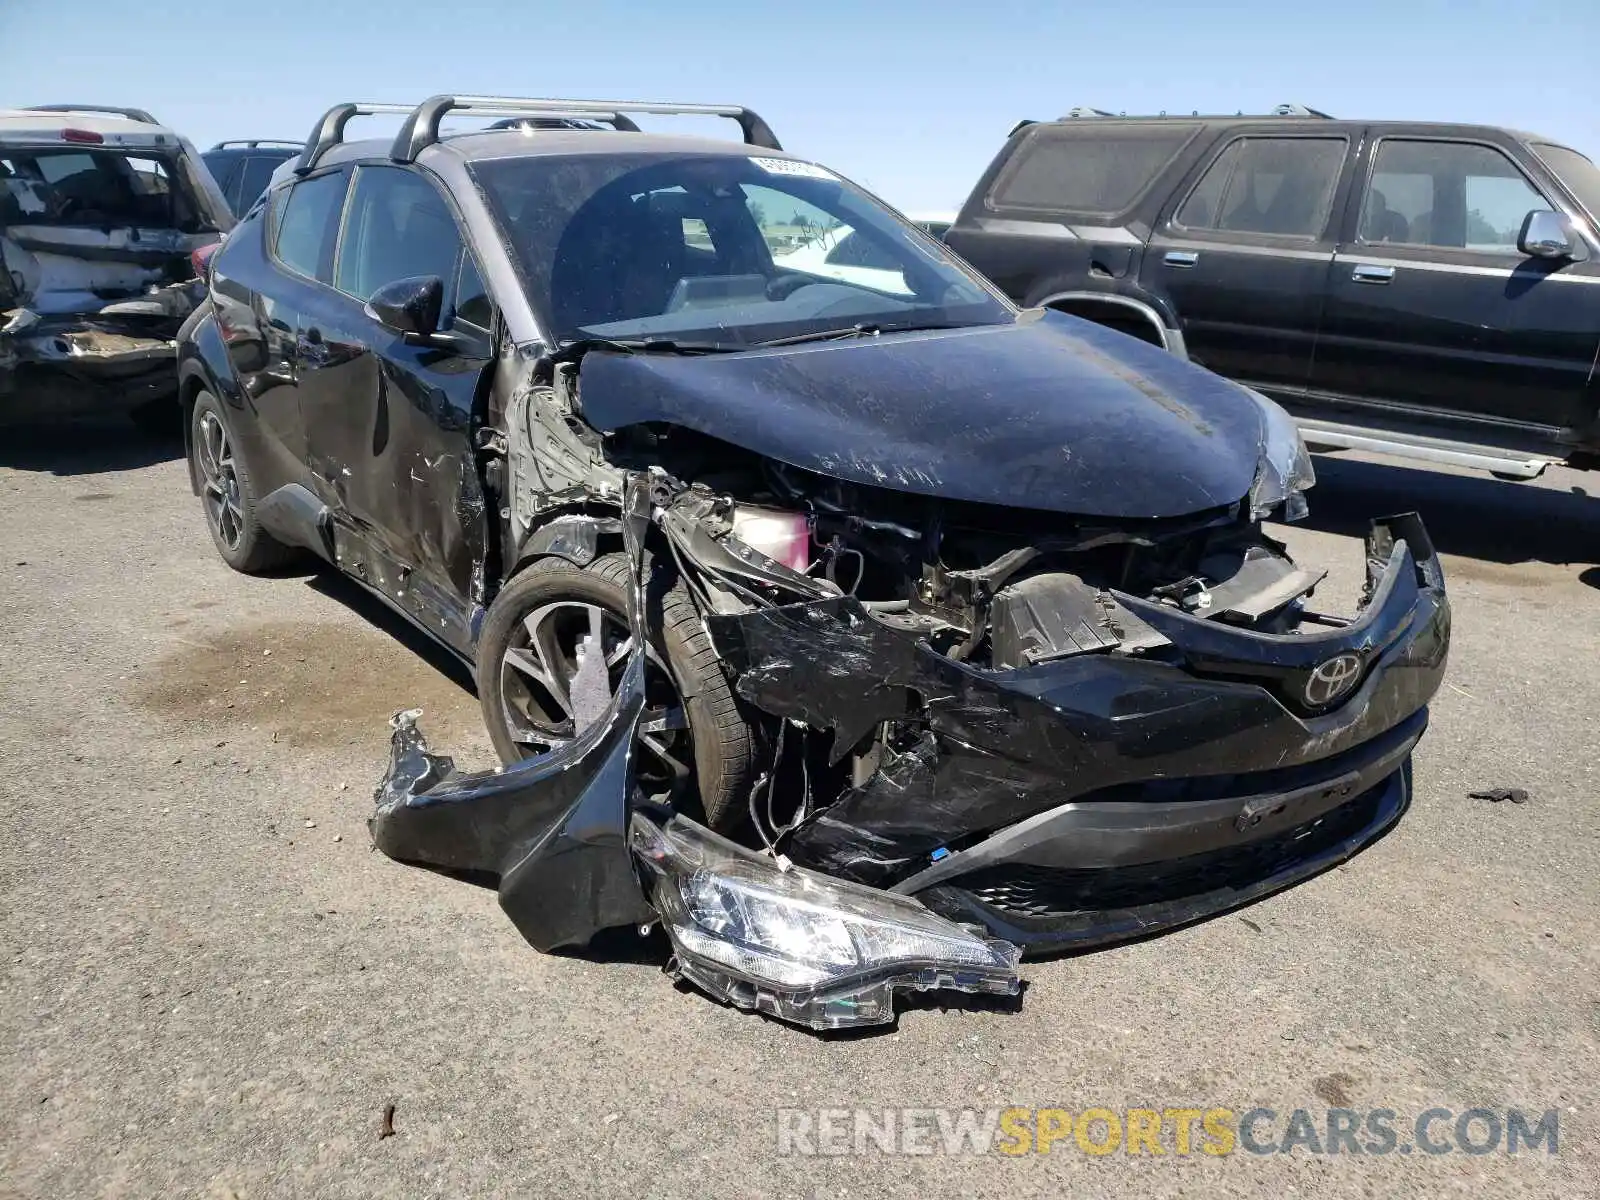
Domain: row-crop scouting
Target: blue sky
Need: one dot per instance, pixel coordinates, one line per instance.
(909, 99)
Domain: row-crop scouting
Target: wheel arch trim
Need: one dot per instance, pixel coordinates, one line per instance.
(1171, 336)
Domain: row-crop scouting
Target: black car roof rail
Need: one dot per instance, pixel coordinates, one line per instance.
(329, 130)
(133, 114)
(252, 143)
(1084, 111)
(422, 126)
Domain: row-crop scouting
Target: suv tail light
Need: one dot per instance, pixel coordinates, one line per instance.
(87, 137)
(200, 260)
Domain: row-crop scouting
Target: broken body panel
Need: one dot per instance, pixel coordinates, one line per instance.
(97, 228)
(1151, 761)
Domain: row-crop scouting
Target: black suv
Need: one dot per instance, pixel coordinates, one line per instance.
(764, 560)
(243, 169)
(1427, 290)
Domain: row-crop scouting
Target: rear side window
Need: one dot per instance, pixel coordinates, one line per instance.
(253, 180)
(1281, 186)
(1099, 171)
(398, 227)
(308, 225)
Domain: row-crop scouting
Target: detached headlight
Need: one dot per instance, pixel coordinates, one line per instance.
(1285, 471)
(816, 951)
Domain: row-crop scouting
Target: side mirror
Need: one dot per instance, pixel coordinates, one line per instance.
(1545, 234)
(409, 306)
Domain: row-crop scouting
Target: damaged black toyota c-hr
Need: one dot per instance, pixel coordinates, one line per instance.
(860, 629)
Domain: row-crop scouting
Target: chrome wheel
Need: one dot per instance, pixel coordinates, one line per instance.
(219, 482)
(559, 673)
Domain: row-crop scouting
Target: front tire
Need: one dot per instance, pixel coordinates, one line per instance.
(694, 740)
(228, 494)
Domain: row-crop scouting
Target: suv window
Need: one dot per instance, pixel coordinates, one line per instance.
(252, 181)
(398, 227)
(1454, 195)
(98, 188)
(853, 251)
(1281, 186)
(1088, 170)
(308, 223)
(610, 245)
(472, 299)
(1580, 175)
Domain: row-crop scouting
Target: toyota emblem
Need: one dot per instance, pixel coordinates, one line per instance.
(1332, 679)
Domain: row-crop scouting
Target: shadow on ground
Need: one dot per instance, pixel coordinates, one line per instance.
(86, 447)
(1471, 516)
(380, 616)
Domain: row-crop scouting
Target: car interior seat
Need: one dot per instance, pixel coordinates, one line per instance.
(1383, 224)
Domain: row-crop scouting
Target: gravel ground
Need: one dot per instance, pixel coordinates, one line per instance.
(212, 986)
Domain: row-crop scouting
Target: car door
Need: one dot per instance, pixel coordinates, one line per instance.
(389, 420)
(1243, 251)
(1431, 308)
(269, 270)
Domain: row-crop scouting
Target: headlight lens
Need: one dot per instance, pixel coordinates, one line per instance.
(1285, 470)
(813, 950)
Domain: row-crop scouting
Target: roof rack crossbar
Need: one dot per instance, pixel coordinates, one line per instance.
(421, 128)
(252, 143)
(329, 130)
(133, 114)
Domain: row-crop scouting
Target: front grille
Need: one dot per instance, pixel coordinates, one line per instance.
(1040, 892)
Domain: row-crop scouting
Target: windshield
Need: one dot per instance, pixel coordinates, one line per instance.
(1580, 175)
(719, 249)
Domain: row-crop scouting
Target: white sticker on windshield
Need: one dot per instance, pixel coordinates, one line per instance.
(789, 166)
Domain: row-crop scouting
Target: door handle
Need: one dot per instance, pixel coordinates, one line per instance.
(1180, 258)
(1367, 273)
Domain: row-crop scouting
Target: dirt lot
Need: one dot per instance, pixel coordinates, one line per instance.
(212, 985)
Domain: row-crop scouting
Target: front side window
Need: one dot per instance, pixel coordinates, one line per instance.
(1087, 170)
(308, 223)
(1452, 195)
(722, 248)
(1580, 175)
(473, 305)
(1281, 186)
(398, 227)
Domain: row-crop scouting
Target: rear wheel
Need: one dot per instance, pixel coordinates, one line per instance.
(695, 747)
(228, 494)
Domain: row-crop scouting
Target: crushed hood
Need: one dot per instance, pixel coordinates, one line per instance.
(1049, 413)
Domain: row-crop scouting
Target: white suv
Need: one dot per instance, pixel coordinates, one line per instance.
(105, 217)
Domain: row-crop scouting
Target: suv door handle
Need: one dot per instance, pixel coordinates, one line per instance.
(1180, 258)
(1367, 273)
